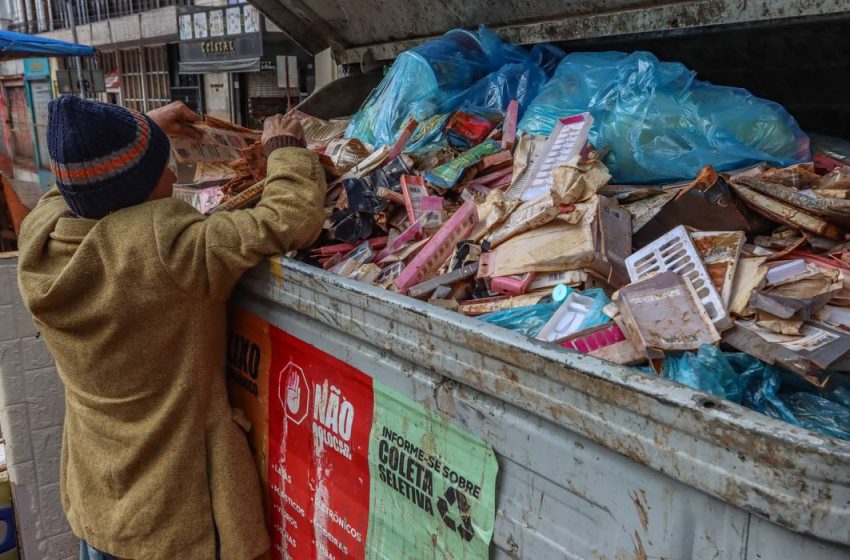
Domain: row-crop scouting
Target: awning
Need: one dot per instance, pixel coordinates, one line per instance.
(20, 45)
(214, 66)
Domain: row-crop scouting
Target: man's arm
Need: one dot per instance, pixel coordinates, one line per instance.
(175, 119)
(207, 256)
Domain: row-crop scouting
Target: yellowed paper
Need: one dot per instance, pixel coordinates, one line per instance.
(748, 276)
(213, 171)
(526, 216)
(215, 145)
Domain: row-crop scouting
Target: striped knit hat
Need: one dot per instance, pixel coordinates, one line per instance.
(104, 157)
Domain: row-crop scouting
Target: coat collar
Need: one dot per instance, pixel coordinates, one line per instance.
(72, 228)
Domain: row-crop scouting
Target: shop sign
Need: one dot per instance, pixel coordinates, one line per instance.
(214, 39)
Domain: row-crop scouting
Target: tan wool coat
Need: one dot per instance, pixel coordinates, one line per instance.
(133, 308)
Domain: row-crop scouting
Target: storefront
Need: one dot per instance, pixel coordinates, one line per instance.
(250, 69)
(39, 93)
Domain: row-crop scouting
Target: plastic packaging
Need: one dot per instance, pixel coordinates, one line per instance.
(468, 128)
(446, 175)
(661, 124)
(524, 320)
(836, 148)
(568, 318)
(429, 135)
(560, 293)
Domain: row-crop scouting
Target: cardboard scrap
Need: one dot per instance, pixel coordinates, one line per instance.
(491, 213)
(799, 176)
(550, 248)
(720, 252)
(213, 171)
(809, 356)
(800, 296)
(749, 274)
(217, 144)
(778, 324)
(786, 213)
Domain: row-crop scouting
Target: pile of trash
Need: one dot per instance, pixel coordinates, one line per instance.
(610, 204)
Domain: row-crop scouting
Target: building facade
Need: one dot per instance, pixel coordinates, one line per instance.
(139, 65)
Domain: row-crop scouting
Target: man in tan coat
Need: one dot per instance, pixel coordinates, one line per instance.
(129, 288)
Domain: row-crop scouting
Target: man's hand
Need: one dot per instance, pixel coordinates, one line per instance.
(279, 125)
(175, 120)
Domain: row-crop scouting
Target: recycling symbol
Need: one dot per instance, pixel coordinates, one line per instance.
(454, 497)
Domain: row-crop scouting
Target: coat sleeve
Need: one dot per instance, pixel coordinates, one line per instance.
(206, 256)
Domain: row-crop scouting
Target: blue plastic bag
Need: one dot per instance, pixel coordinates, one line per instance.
(819, 414)
(459, 69)
(518, 80)
(840, 395)
(520, 74)
(417, 83)
(660, 123)
(708, 370)
(741, 378)
(426, 81)
(760, 383)
(547, 57)
(524, 320)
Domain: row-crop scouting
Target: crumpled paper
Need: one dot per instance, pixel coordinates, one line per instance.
(578, 181)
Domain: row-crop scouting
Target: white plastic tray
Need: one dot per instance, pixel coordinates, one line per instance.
(675, 251)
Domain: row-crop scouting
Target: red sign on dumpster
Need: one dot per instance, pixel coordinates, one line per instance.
(319, 424)
(352, 468)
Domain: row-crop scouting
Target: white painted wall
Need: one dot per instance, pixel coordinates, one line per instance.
(326, 68)
(32, 410)
(217, 96)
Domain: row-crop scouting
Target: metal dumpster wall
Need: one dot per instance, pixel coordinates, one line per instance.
(362, 30)
(595, 460)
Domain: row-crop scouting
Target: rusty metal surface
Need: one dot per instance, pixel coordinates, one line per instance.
(366, 30)
(596, 428)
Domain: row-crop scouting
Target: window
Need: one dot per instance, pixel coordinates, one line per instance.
(144, 78)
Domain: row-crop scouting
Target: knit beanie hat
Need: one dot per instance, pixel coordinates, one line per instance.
(104, 157)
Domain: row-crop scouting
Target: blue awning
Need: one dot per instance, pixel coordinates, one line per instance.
(21, 45)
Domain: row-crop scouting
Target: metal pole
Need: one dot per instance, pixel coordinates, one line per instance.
(78, 60)
(50, 23)
(24, 20)
(143, 78)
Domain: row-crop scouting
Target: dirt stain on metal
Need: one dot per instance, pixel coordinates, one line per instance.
(640, 553)
(639, 500)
